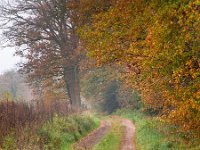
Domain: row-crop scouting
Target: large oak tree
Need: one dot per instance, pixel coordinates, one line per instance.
(45, 33)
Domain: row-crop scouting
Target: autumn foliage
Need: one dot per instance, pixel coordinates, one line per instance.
(157, 45)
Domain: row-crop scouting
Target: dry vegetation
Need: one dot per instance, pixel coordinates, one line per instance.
(17, 117)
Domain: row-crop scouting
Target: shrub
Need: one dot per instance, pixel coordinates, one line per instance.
(64, 131)
(9, 143)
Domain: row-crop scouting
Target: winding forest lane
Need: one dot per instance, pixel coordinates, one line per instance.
(128, 138)
(94, 137)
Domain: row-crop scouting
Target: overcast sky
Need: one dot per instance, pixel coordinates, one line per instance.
(7, 60)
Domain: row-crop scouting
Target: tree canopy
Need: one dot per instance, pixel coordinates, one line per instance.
(157, 45)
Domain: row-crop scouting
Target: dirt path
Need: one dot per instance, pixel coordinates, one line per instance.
(94, 137)
(127, 141)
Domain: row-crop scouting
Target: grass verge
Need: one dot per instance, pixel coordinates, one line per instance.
(152, 134)
(59, 133)
(62, 132)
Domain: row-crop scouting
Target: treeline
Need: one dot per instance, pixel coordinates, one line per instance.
(13, 85)
(156, 46)
(106, 92)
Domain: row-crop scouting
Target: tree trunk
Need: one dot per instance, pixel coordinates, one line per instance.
(71, 77)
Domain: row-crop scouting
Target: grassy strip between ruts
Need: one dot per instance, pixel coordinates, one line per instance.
(151, 134)
(112, 139)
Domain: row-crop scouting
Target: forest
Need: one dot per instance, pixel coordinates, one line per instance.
(101, 75)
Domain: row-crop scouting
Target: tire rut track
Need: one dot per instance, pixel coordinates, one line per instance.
(128, 138)
(94, 137)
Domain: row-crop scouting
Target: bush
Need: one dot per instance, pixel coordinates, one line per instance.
(9, 143)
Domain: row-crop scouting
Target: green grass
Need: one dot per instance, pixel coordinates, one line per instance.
(112, 140)
(151, 134)
(62, 132)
